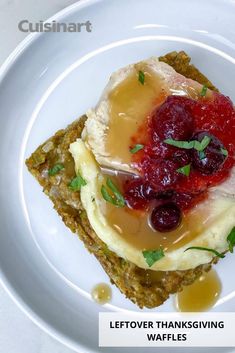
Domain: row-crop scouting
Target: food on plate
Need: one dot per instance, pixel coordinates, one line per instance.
(146, 178)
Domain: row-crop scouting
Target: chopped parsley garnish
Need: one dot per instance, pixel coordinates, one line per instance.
(224, 152)
(76, 183)
(199, 146)
(141, 77)
(152, 256)
(203, 91)
(206, 249)
(203, 144)
(185, 170)
(116, 197)
(106, 195)
(56, 169)
(231, 239)
(202, 155)
(136, 148)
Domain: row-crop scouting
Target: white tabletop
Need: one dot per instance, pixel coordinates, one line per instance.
(17, 333)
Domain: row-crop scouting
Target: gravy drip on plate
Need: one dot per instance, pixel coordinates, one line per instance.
(101, 293)
(201, 295)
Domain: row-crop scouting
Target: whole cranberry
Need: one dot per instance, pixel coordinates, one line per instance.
(166, 217)
(173, 119)
(138, 193)
(210, 160)
(182, 157)
(162, 174)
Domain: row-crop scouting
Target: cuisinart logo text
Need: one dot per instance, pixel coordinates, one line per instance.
(54, 26)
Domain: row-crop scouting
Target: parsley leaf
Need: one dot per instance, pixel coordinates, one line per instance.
(116, 199)
(231, 239)
(203, 91)
(205, 249)
(185, 170)
(56, 169)
(202, 155)
(203, 144)
(141, 77)
(136, 148)
(199, 146)
(151, 256)
(117, 194)
(77, 182)
(224, 152)
(106, 195)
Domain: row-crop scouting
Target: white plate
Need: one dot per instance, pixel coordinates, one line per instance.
(51, 79)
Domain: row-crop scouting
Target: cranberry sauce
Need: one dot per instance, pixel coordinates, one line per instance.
(175, 176)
